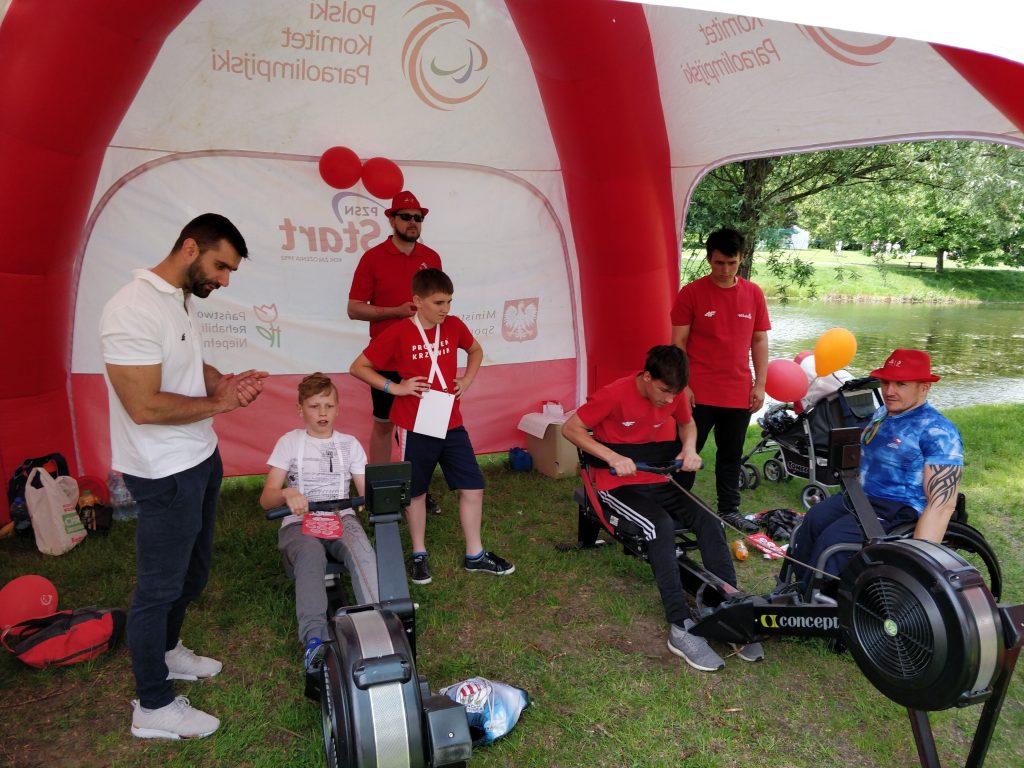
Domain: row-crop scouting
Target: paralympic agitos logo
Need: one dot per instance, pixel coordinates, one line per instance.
(855, 54)
(443, 66)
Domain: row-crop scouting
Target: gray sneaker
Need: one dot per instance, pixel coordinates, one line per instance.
(177, 720)
(749, 652)
(694, 650)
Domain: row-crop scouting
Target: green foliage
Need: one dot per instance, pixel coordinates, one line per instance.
(965, 198)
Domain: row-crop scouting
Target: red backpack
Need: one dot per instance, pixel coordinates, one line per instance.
(66, 637)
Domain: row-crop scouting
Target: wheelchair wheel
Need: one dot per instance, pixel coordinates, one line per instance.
(969, 544)
(774, 471)
(811, 494)
(749, 477)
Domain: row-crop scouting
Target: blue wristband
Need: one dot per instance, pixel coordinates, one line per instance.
(387, 385)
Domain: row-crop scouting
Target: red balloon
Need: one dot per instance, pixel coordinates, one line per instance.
(801, 356)
(382, 178)
(785, 381)
(26, 597)
(340, 167)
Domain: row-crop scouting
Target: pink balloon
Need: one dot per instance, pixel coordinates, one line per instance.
(785, 381)
(340, 167)
(382, 178)
(801, 356)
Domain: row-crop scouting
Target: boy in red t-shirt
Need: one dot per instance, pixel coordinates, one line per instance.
(641, 409)
(423, 351)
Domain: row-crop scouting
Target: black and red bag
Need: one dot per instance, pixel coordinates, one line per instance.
(66, 637)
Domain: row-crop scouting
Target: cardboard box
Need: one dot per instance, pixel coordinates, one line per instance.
(553, 455)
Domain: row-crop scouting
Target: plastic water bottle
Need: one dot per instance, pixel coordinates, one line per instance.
(121, 500)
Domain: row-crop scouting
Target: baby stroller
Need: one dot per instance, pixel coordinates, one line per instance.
(800, 441)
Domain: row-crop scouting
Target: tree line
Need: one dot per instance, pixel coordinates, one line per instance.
(960, 198)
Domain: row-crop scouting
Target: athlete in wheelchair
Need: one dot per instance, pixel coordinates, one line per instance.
(642, 418)
(911, 462)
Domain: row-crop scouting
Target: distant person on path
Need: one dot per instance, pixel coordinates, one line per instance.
(163, 397)
(721, 322)
(911, 463)
(381, 294)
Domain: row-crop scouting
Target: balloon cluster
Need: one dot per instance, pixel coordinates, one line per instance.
(341, 168)
(787, 381)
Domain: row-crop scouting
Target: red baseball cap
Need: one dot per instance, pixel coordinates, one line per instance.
(404, 200)
(27, 597)
(906, 365)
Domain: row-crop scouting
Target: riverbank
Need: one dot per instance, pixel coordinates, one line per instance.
(852, 277)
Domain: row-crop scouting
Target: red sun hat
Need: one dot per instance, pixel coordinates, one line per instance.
(906, 365)
(404, 200)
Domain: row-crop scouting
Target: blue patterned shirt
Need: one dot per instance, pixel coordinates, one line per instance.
(895, 448)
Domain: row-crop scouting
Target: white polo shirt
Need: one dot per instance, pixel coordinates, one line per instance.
(145, 323)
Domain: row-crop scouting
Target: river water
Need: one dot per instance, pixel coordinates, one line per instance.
(978, 349)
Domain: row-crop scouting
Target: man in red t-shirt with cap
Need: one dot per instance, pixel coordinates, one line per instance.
(381, 294)
(721, 322)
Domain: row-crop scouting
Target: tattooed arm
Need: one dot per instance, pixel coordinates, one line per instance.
(941, 484)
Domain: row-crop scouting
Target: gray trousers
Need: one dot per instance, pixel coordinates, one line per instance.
(307, 557)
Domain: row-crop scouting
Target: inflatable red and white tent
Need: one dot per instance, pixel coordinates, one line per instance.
(556, 143)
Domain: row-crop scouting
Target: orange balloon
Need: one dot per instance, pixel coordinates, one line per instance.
(834, 350)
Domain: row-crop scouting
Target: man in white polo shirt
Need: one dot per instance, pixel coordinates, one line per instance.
(162, 401)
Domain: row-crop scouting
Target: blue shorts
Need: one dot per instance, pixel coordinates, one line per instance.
(455, 455)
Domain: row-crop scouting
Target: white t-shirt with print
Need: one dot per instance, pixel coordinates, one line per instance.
(326, 468)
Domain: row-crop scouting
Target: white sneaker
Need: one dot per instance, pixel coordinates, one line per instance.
(177, 720)
(184, 664)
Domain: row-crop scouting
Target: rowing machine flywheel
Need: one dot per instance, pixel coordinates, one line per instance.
(371, 697)
(921, 624)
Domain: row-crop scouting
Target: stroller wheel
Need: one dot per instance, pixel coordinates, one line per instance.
(749, 477)
(775, 471)
(812, 493)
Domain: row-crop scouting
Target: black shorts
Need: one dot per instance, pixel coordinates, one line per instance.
(382, 400)
(454, 453)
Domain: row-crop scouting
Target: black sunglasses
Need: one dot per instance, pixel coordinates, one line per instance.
(410, 217)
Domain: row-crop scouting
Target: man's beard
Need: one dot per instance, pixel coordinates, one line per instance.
(407, 238)
(196, 282)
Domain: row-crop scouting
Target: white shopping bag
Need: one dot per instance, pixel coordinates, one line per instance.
(434, 413)
(54, 513)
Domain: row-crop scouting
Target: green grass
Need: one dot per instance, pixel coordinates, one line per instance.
(582, 632)
(855, 277)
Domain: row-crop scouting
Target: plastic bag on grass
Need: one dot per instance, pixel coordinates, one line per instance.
(492, 708)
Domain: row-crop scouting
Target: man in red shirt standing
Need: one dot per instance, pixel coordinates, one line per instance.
(721, 322)
(381, 294)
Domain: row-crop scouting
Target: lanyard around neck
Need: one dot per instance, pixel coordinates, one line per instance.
(433, 350)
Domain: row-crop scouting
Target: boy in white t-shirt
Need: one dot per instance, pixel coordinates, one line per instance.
(310, 465)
